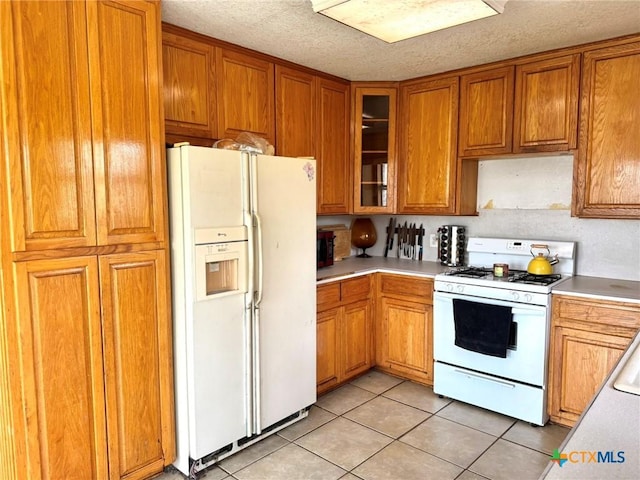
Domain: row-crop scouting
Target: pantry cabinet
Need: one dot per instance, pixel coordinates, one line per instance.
(607, 168)
(546, 105)
(189, 86)
(78, 158)
(374, 139)
(588, 337)
(83, 239)
(344, 331)
(404, 326)
(245, 95)
(486, 112)
(429, 178)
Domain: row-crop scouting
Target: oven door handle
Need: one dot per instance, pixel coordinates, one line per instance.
(486, 378)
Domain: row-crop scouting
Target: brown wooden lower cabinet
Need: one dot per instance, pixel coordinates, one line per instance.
(96, 366)
(587, 339)
(404, 326)
(344, 328)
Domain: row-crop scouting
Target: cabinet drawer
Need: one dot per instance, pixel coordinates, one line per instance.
(407, 286)
(358, 288)
(596, 312)
(327, 295)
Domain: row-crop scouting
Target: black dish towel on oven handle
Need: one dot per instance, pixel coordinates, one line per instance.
(481, 327)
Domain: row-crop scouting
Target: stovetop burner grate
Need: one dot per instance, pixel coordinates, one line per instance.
(515, 276)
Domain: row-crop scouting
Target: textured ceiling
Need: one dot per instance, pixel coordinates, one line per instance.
(289, 29)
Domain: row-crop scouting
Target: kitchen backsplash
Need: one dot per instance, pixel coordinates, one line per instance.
(531, 198)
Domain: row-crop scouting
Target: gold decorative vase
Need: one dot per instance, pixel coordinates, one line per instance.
(363, 235)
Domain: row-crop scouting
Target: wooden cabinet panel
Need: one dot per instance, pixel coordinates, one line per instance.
(546, 108)
(427, 163)
(189, 86)
(62, 368)
(137, 355)
(295, 112)
(486, 112)
(404, 326)
(127, 133)
(407, 286)
(245, 95)
(358, 288)
(333, 162)
(588, 337)
(356, 339)
(407, 343)
(327, 349)
(344, 331)
(45, 95)
(607, 168)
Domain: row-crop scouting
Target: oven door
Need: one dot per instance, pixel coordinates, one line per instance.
(526, 359)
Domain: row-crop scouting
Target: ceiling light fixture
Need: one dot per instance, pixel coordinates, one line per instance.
(393, 21)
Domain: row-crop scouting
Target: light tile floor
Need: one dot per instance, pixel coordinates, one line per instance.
(381, 427)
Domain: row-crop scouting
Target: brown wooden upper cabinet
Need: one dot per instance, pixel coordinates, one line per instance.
(546, 105)
(527, 108)
(374, 120)
(427, 164)
(333, 162)
(312, 120)
(245, 99)
(85, 165)
(486, 112)
(607, 170)
(189, 86)
(295, 112)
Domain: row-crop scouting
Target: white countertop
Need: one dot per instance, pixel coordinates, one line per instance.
(354, 266)
(580, 286)
(611, 423)
(601, 288)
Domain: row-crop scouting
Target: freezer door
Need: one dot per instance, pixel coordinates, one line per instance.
(212, 186)
(285, 201)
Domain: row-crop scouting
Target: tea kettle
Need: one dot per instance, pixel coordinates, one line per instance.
(541, 264)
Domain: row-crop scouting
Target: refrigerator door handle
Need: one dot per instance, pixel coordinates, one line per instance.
(257, 428)
(258, 261)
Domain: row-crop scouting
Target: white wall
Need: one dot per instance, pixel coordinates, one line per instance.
(531, 198)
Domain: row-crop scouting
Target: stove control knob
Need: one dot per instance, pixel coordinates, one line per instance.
(460, 288)
(515, 296)
(448, 287)
(527, 297)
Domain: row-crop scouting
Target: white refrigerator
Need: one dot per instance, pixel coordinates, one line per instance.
(243, 232)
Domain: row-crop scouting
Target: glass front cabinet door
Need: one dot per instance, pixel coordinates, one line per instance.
(374, 148)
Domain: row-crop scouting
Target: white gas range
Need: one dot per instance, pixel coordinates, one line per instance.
(491, 334)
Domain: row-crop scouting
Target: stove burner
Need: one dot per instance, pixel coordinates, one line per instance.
(531, 279)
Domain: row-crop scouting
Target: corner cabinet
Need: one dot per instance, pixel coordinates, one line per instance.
(607, 168)
(430, 178)
(404, 326)
(86, 320)
(344, 331)
(374, 140)
(587, 338)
